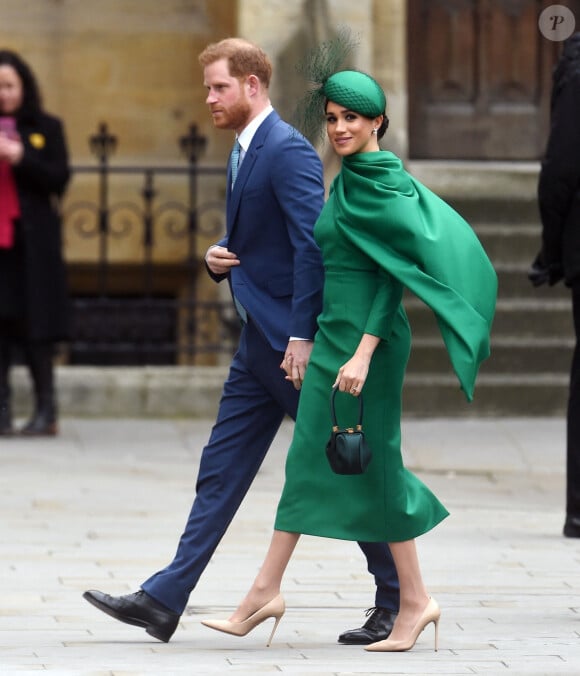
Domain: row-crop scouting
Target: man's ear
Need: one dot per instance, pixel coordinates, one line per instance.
(253, 82)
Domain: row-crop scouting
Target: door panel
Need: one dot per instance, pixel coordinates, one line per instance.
(479, 79)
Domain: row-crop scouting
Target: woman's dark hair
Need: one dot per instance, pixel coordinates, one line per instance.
(384, 126)
(31, 99)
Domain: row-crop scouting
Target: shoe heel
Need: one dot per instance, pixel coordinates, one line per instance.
(436, 623)
(276, 623)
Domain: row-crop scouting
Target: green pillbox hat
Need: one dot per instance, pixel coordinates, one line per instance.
(356, 91)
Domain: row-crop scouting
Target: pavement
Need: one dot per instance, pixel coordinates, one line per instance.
(102, 506)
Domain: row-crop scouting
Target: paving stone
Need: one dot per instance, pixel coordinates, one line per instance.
(103, 506)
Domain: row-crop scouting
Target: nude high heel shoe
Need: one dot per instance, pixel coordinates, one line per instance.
(432, 613)
(274, 608)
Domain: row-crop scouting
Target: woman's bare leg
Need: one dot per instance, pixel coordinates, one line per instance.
(267, 583)
(414, 597)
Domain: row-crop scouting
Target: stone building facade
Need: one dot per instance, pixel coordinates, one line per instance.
(133, 64)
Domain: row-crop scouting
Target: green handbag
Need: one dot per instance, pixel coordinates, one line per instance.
(347, 450)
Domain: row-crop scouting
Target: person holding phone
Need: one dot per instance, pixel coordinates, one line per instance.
(34, 171)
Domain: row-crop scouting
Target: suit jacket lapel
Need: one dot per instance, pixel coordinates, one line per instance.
(245, 171)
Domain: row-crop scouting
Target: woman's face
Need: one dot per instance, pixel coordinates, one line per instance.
(350, 132)
(11, 90)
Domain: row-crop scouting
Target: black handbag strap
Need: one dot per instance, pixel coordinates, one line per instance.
(333, 410)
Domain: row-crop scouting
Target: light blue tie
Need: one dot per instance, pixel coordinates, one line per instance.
(235, 160)
(235, 163)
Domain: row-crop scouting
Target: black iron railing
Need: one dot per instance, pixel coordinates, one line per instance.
(137, 268)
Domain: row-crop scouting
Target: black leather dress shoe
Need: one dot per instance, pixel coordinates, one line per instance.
(572, 527)
(138, 609)
(376, 628)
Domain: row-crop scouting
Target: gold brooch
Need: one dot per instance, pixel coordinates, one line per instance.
(37, 141)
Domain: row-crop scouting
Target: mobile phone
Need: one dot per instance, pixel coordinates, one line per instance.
(8, 126)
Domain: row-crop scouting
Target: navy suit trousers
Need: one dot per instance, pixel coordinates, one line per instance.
(254, 402)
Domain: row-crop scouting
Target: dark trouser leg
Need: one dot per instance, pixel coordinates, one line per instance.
(255, 399)
(5, 394)
(381, 565)
(39, 357)
(573, 421)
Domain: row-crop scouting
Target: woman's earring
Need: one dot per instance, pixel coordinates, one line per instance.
(375, 131)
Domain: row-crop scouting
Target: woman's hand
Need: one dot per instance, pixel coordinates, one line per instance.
(352, 375)
(11, 149)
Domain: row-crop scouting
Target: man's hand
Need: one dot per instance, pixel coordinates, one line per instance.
(219, 260)
(296, 360)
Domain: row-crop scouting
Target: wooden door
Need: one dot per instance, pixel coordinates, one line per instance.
(479, 79)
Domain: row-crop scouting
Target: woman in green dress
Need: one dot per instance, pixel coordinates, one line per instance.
(380, 231)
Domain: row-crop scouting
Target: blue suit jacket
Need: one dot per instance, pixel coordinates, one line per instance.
(277, 197)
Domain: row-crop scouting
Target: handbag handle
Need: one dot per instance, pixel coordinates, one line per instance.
(335, 427)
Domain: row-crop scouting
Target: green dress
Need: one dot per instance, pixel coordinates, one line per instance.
(379, 231)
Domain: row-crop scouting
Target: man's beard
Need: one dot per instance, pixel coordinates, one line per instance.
(236, 117)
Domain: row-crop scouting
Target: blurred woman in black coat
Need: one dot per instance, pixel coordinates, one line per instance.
(34, 172)
(559, 203)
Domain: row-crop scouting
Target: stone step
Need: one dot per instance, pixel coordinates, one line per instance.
(474, 210)
(484, 192)
(513, 283)
(533, 318)
(132, 392)
(519, 317)
(510, 243)
(541, 394)
(508, 355)
(194, 392)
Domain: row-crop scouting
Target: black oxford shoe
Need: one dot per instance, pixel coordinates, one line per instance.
(376, 628)
(138, 609)
(572, 527)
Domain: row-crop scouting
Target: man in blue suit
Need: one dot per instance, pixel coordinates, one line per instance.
(274, 269)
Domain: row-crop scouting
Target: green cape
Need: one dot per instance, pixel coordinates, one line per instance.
(425, 244)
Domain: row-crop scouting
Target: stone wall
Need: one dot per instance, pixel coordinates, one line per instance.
(389, 61)
(134, 62)
(130, 62)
